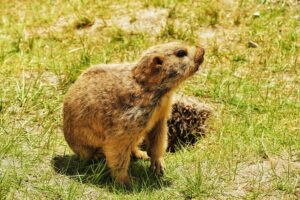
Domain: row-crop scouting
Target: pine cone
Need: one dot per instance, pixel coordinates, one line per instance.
(187, 123)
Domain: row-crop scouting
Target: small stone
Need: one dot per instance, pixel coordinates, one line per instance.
(252, 44)
(256, 14)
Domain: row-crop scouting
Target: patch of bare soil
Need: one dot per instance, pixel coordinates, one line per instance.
(218, 35)
(268, 176)
(59, 26)
(144, 20)
(46, 78)
(229, 2)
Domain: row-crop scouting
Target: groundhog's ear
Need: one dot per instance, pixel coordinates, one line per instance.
(148, 69)
(156, 63)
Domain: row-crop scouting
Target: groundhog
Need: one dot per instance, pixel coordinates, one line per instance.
(112, 108)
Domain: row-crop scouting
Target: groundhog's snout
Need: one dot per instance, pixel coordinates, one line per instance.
(199, 56)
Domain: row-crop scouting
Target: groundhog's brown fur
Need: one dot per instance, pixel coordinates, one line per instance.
(110, 109)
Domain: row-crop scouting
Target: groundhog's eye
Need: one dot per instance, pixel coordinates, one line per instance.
(181, 53)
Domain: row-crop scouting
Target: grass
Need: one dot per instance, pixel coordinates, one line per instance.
(252, 149)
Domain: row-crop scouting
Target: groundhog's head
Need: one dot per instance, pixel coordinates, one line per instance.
(167, 65)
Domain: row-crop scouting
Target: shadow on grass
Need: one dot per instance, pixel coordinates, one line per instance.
(96, 173)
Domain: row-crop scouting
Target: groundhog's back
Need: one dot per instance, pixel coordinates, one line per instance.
(93, 100)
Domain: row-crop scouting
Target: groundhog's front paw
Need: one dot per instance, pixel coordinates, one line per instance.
(158, 166)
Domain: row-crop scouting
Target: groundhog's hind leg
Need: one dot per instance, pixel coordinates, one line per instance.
(85, 142)
(83, 152)
(88, 153)
(118, 158)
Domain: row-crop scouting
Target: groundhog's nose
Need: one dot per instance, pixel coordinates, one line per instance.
(199, 55)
